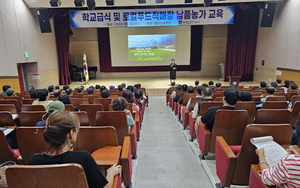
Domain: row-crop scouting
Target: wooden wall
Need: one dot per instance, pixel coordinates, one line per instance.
(12, 81)
(289, 74)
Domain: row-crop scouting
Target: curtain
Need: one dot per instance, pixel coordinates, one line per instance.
(62, 34)
(105, 54)
(241, 42)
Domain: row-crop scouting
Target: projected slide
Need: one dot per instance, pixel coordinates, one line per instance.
(151, 47)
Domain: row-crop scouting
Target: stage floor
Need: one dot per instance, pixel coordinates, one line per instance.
(154, 86)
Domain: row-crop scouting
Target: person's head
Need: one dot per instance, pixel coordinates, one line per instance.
(42, 94)
(136, 86)
(66, 87)
(184, 87)
(173, 60)
(102, 88)
(205, 85)
(90, 90)
(124, 85)
(138, 93)
(206, 91)
(231, 95)
(51, 88)
(61, 129)
(64, 98)
(286, 83)
(197, 82)
(179, 87)
(79, 89)
(173, 84)
(31, 88)
(245, 96)
(274, 84)
(57, 92)
(278, 81)
(105, 94)
(199, 90)
(55, 105)
(191, 89)
(69, 91)
(10, 92)
(119, 104)
(293, 86)
(33, 94)
(111, 87)
(131, 88)
(56, 87)
(211, 83)
(128, 96)
(218, 85)
(5, 87)
(97, 86)
(270, 90)
(263, 84)
(120, 88)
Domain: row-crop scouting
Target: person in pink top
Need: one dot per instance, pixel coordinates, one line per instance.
(128, 95)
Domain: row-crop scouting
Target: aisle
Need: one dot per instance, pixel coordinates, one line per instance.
(165, 158)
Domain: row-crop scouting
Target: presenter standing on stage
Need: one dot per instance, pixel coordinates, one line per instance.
(173, 66)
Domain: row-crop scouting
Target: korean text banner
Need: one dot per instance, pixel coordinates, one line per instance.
(152, 17)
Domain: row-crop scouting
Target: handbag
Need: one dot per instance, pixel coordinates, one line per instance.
(3, 167)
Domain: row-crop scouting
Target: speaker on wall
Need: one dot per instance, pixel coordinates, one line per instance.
(268, 15)
(44, 20)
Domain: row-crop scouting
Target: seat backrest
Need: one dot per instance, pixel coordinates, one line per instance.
(78, 101)
(217, 94)
(295, 98)
(83, 118)
(29, 107)
(9, 108)
(6, 154)
(256, 98)
(290, 95)
(91, 110)
(280, 93)
(274, 105)
(18, 98)
(281, 133)
(272, 116)
(105, 102)
(30, 141)
(193, 102)
(253, 87)
(6, 119)
(276, 98)
(30, 118)
(231, 125)
(294, 113)
(171, 89)
(206, 105)
(98, 137)
(250, 106)
(113, 96)
(11, 101)
(219, 98)
(117, 119)
(69, 107)
(256, 93)
(27, 101)
(91, 98)
(58, 176)
(187, 97)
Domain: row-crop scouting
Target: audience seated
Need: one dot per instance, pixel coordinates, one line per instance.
(190, 89)
(61, 133)
(10, 92)
(90, 90)
(56, 93)
(97, 87)
(278, 81)
(184, 88)
(211, 84)
(286, 86)
(43, 99)
(263, 84)
(105, 94)
(274, 84)
(102, 88)
(178, 89)
(51, 89)
(69, 92)
(65, 99)
(293, 86)
(55, 105)
(120, 88)
(199, 94)
(268, 93)
(124, 86)
(80, 89)
(138, 94)
(218, 85)
(120, 104)
(172, 85)
(66, 87)
(128, 95)
(197, 83)
(56, 87)
(111, 87)
(131, 88)
(245, 96)
(4, 88)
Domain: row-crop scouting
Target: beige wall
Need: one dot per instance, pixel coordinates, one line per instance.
(213, 53)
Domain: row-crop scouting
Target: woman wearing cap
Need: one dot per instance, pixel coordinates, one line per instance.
(55, 105)
(60, 133)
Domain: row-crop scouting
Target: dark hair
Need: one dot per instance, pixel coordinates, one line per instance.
(56, 87)
(9, 92)
(179, 86)
(207, 91)
(173, 83)
(124, 85)
(33, 94)
(172, 59)
(105, 94)
(263, 84)
(131, 88)
(199, 90)
(270, 89)
(5, 87)
(137, 86)
(90, 90)
(184, 87)
(57, 92)
(197, 82)
(205, 85)
(293, 86)
(64, 98)
(286, 83)
(210, 83)
(58, 125)
(102, 88)
(31, 88)
(119, 104)
(231, 95)
(42, 94)
(66, 87)
(218, 84)
(120, 87)
(138, 93)
(69, 91)
(51, 88)
(278, 81)
(128, 96)
(97, 86)
(274, 84)
(245, 96)
(79, 89)
(191, 89)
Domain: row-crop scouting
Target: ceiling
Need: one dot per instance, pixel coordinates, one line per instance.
(122, 3)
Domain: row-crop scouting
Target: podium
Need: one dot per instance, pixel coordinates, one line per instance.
(234, 79)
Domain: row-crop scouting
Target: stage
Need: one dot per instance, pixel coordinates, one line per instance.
(154, 86)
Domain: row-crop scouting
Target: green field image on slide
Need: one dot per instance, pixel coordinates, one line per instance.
(151, 55)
